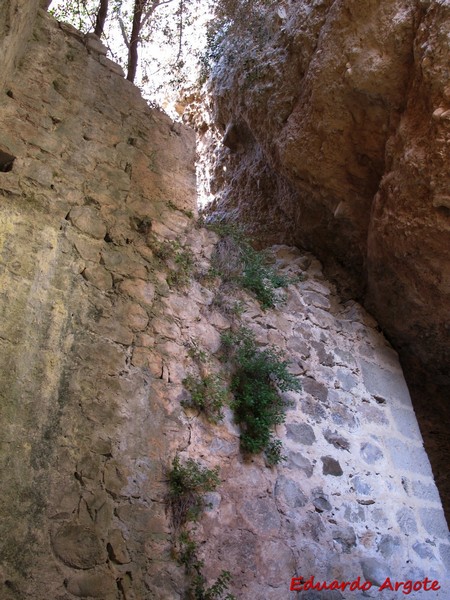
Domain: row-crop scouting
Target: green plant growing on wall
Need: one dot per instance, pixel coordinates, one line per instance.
(259, 377)
(184, 265)
(236, 261)
(187, 556)
(181, 258)
(208, 395)
(187, 485)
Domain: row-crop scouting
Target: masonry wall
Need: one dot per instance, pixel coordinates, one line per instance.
(95, 337)
(83, 432)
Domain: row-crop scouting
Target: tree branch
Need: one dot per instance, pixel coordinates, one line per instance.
(124, 32)
(101, 18)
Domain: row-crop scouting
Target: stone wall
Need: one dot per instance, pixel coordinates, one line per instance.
(332, 133)
(92, 173)
(356, 495)
(106, 302)
(16, 24)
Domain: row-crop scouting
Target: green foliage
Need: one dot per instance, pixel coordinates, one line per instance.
(189, 213)
(187, 556)
(208, 395)
(184, 265)
(181, 257)
(260, 376)
(235, 260)
(238, 309)
(273, 453)
(166, 31)
(195, 352)
(198, 591)
(187, 484)
(215, 35)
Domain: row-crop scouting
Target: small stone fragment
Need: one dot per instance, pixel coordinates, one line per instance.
(331, 466)
(117, 548)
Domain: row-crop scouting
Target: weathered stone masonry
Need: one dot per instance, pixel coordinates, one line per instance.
(83, 436)
(94, 345)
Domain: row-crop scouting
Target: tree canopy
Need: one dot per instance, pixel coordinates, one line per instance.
(149, 38)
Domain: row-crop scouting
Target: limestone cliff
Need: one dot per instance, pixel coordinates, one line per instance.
(108, 304)
(333, 126)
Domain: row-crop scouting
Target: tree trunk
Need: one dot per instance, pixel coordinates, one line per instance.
(134, 40)
(101, 17)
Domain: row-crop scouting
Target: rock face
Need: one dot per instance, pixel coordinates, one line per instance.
(107, 304)
(333, 120)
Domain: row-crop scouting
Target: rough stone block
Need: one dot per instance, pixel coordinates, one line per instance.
(375, 571)
(301, 433)
(361, 486)
(406, 422)
(389, 545)
(78, 546)
(406, 521)
(433, 520)
(336, 440)
(426, 491)
(345, 537)
(88, 220)
(296, 460)
(389, 385)
(117, 548)
(98, 276)
(406, 457)
(423, 550)
(346, 380)
(371, 453)
(331, 466)
(140, 290)
(93, 585)
(314, 388)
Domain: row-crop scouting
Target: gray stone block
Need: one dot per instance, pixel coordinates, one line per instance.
(301, 433)
(321, 503)
(370, 453)
(388, 545)
(297, 460)
(338, 441)
(433, 520)
(444, 550)
(423, 550)
(361, 486)
(406, 520)
(314, 388)
(389, 385)
(345, 537)
(406, 422)
(375, 571)
(426, 491)
(288, 490)
(346, 379)
(409, 458)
